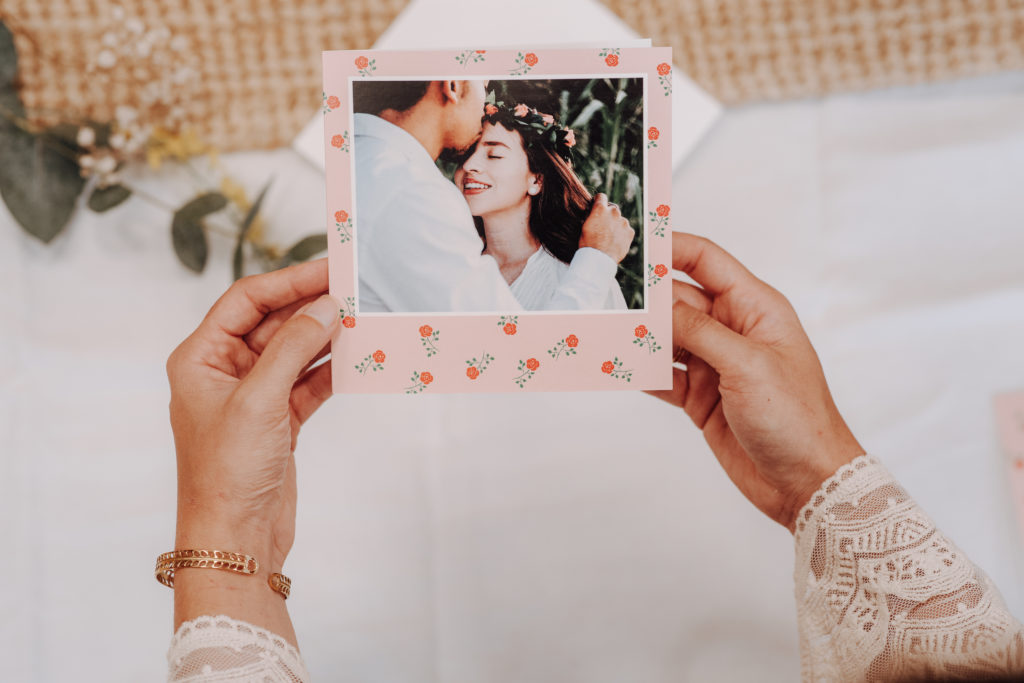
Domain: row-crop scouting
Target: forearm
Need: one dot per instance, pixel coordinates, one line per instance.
(883, 594)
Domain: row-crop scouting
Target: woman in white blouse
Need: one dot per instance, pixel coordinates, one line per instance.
(528, 202)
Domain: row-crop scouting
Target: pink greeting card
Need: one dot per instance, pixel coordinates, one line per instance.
(1010, 423)
(466, 236)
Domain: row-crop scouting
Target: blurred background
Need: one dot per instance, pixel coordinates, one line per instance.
(867, 163)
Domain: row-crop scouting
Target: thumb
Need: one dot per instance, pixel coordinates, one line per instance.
(708, 339)
(293, 346)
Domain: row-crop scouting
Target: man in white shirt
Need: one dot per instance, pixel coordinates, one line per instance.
(418, 248)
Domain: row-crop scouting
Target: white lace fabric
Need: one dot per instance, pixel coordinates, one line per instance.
(219, 648)
(883, 595)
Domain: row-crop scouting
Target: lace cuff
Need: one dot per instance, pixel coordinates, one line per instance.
(882, 594)
(224, 649)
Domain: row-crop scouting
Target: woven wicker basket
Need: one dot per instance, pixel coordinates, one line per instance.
(258, 61)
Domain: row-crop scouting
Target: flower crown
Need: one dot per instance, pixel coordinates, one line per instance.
(535, 127)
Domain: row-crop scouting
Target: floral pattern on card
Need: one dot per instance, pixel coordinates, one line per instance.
(665, 77)
(524, 64)
(420, 381)
(343, 225)
(429, 339)
(652, 137)
(644, 338)
(509, 324)
(340, 141)
(373, 361)
(478, 365)
(659, 219)
(471, 57)
(329, 103)
(613, 368)
(527, 369)
(564, 347)
(655, 273)
(610, 55)
(348, 312)
(366, 66)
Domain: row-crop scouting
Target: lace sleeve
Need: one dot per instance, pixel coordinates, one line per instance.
(882, 594)
(223, 649)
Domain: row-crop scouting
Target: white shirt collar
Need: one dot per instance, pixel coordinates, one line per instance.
(396, 138)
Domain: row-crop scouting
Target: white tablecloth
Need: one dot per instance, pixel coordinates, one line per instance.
(568, 537)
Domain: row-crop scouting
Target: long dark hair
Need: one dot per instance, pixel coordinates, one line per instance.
(558, 210)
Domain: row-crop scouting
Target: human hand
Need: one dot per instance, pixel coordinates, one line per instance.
(606, 230)
(753, 383)
(241, 388)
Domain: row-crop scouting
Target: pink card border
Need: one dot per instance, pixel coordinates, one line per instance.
(530, 351)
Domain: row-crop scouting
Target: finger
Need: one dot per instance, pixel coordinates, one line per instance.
(703, 336)
(703, 395)
(293, 346)
(677, 394)
(249, 300)
(311, 391)
(258, 338)
(691, 296)
(712, 267)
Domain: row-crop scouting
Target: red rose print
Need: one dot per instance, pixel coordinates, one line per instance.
(426, 377)
(481, 52)
(611, 60)
(510, 328)
(338, 140)
(663, 69)
(348, 321)
(362, 62)
(426, 331)
(333, 102)
(379, 356)
(653, 133)
(532, 364)
(608, 367)
(662, 210)
(572, 341)
(340, 216)
(472, 373)
(660, 270)
(530, 59)
(640, 331)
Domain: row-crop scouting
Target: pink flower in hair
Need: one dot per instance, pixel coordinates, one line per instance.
(490, 110)
(548, 119)
(521, 110)
(570, 138)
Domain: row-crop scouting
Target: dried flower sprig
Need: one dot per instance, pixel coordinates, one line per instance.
(50, 160)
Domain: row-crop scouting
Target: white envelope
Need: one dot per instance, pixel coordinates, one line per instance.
(426, 24)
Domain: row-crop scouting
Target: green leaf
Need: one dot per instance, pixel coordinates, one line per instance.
(305, 249)
(250, 216)
(105, 198)
(189, 242)
(39, 184)
(187, 232)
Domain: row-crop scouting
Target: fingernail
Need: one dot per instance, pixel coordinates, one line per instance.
(324, 310)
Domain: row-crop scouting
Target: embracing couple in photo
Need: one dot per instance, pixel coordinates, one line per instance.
(517, 230)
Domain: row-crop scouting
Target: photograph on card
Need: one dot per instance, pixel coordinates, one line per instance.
(499, 195)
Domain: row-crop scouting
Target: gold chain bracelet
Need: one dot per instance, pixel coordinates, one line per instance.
(167, 563)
